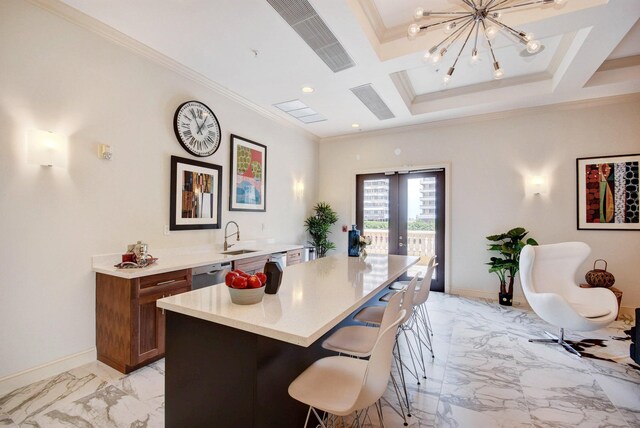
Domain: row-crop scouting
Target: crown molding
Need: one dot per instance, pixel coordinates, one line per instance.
(571, 105)
(87, 22)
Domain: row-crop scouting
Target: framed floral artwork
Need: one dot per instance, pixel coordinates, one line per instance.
(248, 182)
(196, 195)
(608, 192)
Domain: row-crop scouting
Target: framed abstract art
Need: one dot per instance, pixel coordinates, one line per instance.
(196, 195)
(608, 195)
(248, 181)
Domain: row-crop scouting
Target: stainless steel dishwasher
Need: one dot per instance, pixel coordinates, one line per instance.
(204, 276)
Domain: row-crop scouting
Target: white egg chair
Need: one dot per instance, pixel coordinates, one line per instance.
(547, 275)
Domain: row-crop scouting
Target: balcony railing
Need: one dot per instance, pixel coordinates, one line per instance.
(419, 243)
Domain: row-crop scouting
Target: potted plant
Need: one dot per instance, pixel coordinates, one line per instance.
(509, 245)
(319, 227)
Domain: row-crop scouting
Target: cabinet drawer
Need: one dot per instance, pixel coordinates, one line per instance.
(294, 257)
(164, 281)
(252, 264)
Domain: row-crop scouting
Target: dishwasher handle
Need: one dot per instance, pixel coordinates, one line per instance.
(211, 269)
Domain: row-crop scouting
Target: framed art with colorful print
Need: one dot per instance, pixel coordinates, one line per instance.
(248, 182)
(608, 195)
(196, 195)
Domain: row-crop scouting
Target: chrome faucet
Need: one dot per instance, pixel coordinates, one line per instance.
(237, 233)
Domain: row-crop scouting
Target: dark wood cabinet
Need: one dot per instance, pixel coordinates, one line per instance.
(130, 329)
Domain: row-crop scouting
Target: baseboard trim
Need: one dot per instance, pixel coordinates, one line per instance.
(626, 312)
(518, 301)
(17, 380)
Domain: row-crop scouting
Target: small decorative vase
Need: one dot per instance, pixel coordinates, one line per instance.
(505, 299)
(273, 271)
(354, 242)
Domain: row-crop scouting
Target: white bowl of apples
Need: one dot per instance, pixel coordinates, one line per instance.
(245, 289)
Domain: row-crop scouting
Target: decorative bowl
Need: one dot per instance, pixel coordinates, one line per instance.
(246, 296)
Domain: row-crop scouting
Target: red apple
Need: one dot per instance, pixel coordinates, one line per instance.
(228, 279)
(241, 273)
(239, 282)
(262, 277)
(253, 282)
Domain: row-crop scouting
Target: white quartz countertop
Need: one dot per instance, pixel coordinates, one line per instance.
(185, 258)
(313, 297)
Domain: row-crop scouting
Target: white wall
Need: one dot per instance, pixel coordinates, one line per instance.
(489, 159)
(55, 75)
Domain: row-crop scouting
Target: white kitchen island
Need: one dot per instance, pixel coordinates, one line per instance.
(229, 365)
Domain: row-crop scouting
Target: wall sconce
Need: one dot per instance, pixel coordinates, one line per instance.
(105, 152)
(298, 189)
(537, 185)
(46, 148)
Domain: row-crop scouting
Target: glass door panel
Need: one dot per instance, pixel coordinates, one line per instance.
(404, 214)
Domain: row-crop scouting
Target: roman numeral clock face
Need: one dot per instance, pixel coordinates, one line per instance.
(197, 128)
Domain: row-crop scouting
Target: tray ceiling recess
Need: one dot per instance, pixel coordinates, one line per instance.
(472, 21)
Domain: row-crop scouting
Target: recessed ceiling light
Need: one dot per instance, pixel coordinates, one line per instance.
(307, 89)
(355, 125)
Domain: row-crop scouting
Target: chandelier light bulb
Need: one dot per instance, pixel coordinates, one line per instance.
(533, 46)
(436, 58)
(419, 13)
(426, 56)
(447, 77)
(498, 73)
(560, 2)
(474, 56)
(491, 32)
(413, 31)
(449, 27)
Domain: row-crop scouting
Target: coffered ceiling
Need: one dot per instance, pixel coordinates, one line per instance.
(255, 49)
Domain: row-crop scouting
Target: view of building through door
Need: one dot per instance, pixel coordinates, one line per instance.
(404, 214)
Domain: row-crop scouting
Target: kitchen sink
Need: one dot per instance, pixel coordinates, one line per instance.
(237, 252)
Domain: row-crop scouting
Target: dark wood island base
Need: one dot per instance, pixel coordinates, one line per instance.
(219, 376)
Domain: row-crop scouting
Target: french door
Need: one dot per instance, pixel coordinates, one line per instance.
(403, 213)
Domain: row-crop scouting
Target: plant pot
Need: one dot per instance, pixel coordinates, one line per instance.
(505, 299)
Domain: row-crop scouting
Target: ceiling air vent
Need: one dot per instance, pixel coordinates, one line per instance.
(302, 17)
(372, 101)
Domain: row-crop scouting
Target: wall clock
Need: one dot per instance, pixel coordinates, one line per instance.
(197, 128)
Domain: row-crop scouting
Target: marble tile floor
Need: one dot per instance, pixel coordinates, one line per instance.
(485, 374)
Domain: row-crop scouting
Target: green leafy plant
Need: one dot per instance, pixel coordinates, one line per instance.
(509, 245)
(319, 227)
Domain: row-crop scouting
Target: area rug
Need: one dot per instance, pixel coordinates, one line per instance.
(614, 349)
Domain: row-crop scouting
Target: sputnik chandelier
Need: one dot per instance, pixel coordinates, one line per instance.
(482, 16)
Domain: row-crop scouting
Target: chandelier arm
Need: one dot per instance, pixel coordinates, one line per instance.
(484, 27)
(491, 2)
(516, 33)
(515, 6)
(424, 27)
(448, 13)
(469, 3)
(459, 32)
(475, 44)
(464, 44)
